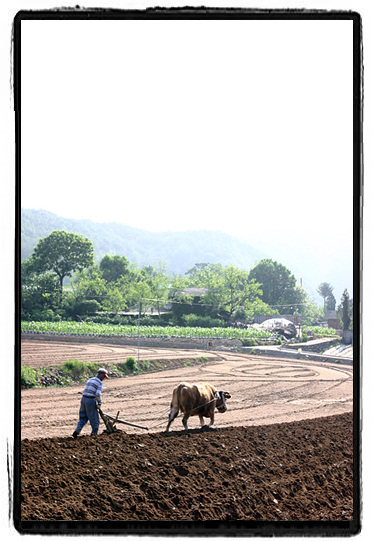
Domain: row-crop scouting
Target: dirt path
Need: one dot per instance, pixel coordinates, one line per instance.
(264, 390)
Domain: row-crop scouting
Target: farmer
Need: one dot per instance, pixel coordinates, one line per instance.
(90, 401)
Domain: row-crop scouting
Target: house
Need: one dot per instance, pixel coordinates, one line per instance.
(190, 292)
(296, 319)
(332, 320)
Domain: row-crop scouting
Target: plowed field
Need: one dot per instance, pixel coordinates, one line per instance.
(283, 451)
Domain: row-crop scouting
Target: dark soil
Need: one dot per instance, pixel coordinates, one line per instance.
(292, 471)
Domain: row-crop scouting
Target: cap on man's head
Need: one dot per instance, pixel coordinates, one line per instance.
(101, 372)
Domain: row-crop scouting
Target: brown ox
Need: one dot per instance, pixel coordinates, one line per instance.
(200, 399)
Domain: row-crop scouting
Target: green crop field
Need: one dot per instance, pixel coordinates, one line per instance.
(76, 328)
(320, 331)
(153, 331)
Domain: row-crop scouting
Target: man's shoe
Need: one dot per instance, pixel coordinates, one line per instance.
(75, 435)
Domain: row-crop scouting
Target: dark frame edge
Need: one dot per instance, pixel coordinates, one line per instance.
(350, 528)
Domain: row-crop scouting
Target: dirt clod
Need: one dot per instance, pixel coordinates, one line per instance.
(291, 471)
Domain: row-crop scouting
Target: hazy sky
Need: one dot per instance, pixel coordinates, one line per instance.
(241, 126)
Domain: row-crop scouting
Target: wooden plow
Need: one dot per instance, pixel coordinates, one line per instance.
(110, 421)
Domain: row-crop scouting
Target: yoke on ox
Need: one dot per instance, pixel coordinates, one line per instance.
(201, 399)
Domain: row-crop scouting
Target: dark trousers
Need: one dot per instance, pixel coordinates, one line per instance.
(88, 412)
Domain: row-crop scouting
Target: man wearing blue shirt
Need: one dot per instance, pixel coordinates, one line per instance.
(90, 400)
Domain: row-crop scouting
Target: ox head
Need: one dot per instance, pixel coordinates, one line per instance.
(221, 397)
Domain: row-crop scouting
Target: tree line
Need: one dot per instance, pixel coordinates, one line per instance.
(208, 294)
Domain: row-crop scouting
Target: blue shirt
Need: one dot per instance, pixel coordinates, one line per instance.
(93, 388)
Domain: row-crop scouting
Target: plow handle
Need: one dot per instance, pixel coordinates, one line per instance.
(110, 426)
(125, 422)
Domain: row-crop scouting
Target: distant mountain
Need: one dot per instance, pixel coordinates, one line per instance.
(311, 261)
(179, 250)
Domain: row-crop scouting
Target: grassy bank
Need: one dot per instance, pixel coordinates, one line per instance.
(74, 372)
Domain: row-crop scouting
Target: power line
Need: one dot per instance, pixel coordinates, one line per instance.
(170, 301)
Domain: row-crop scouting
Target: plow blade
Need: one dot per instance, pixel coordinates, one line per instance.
(110, 421)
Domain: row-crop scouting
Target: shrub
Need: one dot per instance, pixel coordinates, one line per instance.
(249, 342)
(131, 364)
(86, 307)
(78, 369)
(28, 376)
(193, 320)
(145, 364)
(45, 315)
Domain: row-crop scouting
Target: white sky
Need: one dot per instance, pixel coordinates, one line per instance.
(176, 125)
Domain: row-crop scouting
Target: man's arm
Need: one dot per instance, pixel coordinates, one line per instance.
(98, 394)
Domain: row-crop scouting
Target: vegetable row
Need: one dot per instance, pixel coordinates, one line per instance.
(153, 331)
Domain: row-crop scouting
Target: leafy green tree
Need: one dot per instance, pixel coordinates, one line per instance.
(330, 302)
(113, 267)
(277, 283)
(229, 290)
(201, 274)
(345, 310)
(86, 292)
(182, 302)
(238, 290)
(211, 277)
(139, 291)
(89, 284)
(256, 307)
(325, 290)
(158, 282)
(115, 299)
(294, 300)
(62, 253)
(39, 292)
(312, 314)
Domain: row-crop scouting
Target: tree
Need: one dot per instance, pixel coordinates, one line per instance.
(139, 291)
(62, 253)
(115, 299)
(330, 302)
(325, 290)
(211, 277)
(228, 290)
(345, 310)
(312, 313)
(39, 292)
(238, 290)
(113, 267)
(86, 292)
(201, 273)
(158, 282)
(277, 283)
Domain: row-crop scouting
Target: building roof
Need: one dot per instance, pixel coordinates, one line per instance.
(191, 292)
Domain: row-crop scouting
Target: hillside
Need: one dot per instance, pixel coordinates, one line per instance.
(310, 260)
(179, 250)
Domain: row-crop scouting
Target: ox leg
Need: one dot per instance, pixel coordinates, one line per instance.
(201, 421)
(212, 420)
(185, 419)
(173, 414)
